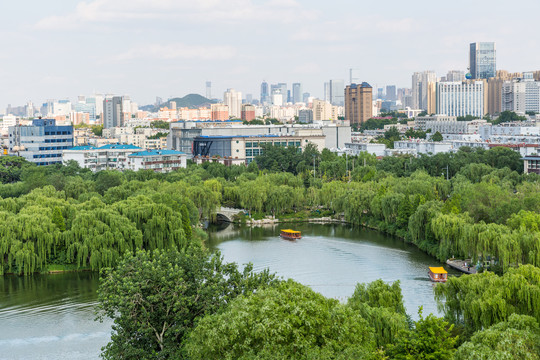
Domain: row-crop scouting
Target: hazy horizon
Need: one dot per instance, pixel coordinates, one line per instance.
(170, 48)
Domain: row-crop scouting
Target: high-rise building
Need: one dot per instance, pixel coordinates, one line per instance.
(305, 97)
(455, 75)
(249, 99)
(208, 89)
(391, 93)
(423, 91)
(380, 93)
(521, 95)
(482, 60)
(322, 110)
(233, 99)
(326, 91)
(284, 92)
(248, 112)
(220, 112)
(354, 76)
(305, 116)
(297, 93)
(289, 96)
(462, 98)
(337, 88)
(113, 114)
(358, 103)
(265, 94)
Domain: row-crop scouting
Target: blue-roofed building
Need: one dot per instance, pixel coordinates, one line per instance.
(41, 143)
(157, 160)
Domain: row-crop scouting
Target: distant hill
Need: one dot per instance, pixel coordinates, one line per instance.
(191, 101)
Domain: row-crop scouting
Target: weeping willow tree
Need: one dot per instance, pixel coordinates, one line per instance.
(161, 227)
(98, 238)
(26, 241)
(481, 300)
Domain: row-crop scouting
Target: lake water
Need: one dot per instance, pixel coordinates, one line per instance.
(52, 316)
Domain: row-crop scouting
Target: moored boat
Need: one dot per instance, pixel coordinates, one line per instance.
(437, 274)
(290, 234)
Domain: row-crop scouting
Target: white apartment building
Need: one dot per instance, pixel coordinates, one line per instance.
(521, 95)
(233, 99)
(462, 98)
(420, 121)
(125, 157)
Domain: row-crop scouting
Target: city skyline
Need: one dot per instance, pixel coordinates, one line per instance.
(61, 48)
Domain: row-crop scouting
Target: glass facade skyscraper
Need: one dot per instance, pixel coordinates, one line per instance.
(482, 60)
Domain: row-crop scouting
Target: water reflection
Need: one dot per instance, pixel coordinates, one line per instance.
(332, 259)
(50, 317)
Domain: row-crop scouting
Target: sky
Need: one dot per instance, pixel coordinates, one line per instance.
(59, 49)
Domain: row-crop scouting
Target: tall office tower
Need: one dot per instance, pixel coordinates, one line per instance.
(297, 93)
(391, 93)
(380, 93)
(423, 91)
(208, 89)
(521, 95)
(284, 92)
(30, 111)
(462, 98)
(455, 75)
(337, 89)
(358, 102)
(354, 76)
(482, 60)
(265, 94)
(249, 98)
(113, 114)
(327, 91)
(289, 96)
(233, 99)
(305, 97)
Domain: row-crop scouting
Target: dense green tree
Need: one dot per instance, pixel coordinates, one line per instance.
(437, 137)
(289, 321)
(431, 339)
(156, 298)
(516, 338)
(508, 116)
(58, 219)
(482, 300)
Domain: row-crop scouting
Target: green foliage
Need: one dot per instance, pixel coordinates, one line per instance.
(288, 321)
(482, 300)
(156, 298)
(431, 339)
(437, 137)
(415, 134)
(160, 124)
(517, 338)
(97, 130)
(159, 135)
(58, 219)
(508, 116)
(374, 124)
(382, 305)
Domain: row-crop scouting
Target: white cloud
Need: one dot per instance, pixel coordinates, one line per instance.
(177, 51)
(190, 11)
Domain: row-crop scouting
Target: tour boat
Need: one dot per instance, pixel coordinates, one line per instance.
(437, 274)
(290, 234)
